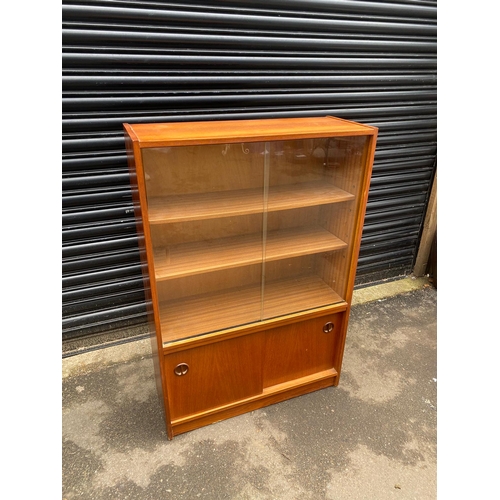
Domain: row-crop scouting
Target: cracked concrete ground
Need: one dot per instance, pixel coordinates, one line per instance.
(371, 438)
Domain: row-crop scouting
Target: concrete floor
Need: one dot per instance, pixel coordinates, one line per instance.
(371, 438)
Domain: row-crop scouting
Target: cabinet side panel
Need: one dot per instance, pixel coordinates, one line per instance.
(140, 210)
(365, 186)
(360, 212)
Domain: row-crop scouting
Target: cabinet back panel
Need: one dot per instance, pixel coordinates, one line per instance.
(345, 161)
(201, 169)
(163, 235)
(293, 162)
(209, 282)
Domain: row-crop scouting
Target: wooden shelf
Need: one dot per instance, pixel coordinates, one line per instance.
(225, 253)
(211, 312)
(202, 206)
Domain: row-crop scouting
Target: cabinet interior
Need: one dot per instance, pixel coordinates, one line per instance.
(244, 232)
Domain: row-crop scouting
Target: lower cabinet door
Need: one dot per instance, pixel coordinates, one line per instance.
(213, 375)
(301, 349)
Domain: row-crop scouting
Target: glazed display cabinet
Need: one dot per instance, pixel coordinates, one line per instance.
(250, 233)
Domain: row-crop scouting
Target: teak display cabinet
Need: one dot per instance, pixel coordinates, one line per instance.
(251, 232)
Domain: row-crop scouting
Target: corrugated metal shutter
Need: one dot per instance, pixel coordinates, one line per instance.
(131, 61)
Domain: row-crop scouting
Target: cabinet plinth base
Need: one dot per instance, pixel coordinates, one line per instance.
(270, 395)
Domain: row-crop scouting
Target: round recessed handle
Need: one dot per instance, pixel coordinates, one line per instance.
(328, 327)
(181, 369)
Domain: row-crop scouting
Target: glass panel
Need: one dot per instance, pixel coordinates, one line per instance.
(250, 231)
(205, 211)
(314, 192)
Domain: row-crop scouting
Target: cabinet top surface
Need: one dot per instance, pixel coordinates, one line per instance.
(212, 132)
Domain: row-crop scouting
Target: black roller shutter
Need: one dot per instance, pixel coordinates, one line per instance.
(131, 61)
